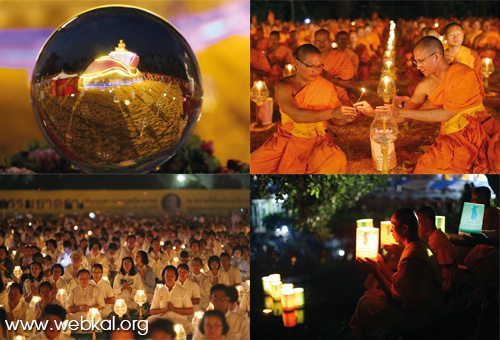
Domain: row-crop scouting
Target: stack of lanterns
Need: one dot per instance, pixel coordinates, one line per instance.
(283, 299)
(386, 88)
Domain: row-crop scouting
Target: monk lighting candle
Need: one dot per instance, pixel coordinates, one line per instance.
(367, 242)
(276, 290)
(288, 299)
(440, 223)
(367, 222)
(386, 234)
(289, 318)
(300, 315)
(299, 297)
(361, 95)
(277, 310)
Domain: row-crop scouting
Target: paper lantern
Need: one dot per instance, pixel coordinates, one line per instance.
(386, 233)
(299, 297)
(367, 242)
(92, 100)
(120, 307)
(277, 309)
(289, 318)
(300, 313)
(276, 290)
(286, 286)
(367, 222)
(17, 271)
(440, 223)
(275, 277)
(266, 285)
(288, 299)
(180, 332)
(196, 318)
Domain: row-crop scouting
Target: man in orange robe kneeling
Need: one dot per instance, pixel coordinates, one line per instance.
(306, 101)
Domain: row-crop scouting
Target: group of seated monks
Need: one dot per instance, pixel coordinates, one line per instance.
(449, 89)
(420, 280)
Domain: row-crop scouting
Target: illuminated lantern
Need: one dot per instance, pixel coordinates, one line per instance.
(96, 79)
(386, 234)
(440, 223)
(268, 302)
(288, 299)
(286, 286)
(120, 307)
(367, 222)
(367, 242)
(266, 285)
(240, 292)
(196, 318)
(276, 290)
(140, 298)
(299, 297)
(180, 332)
(33, 301)
(95, 318)
(300, 315)
(289, 318)
(17, 271)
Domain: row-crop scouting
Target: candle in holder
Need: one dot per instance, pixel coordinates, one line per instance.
(488, 69)
(17, 271)
(286, 286)
(94, 317)
(440, 223)
(289, 318)
(180, 332)
(288, 299)
(386, 89)
(367, 242)
(140, 298)
(289, 70)
(386, 234)
(299, 297)
(120, 307)
(367, 222)
(259, 92)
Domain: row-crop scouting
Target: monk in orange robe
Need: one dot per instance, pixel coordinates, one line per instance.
(456, 93)
(337, 63)
(259, 41)
(488, 42)
(475, 31)
(364, 55)
(279, 55)
(342, 40)
(456, 52)
(306, 101)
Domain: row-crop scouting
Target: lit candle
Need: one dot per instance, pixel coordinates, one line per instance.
(386, 234)
(288, 299)
(362, 91)
(286, 286)
(276, 290)
(266, 285)
(289, 318)
(440, 223)
(267, 311)
(367, 242)
(299, 297)
(259, 87)
(334, 45)
(367, 222)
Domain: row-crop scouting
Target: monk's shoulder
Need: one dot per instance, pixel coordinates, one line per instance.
(459, 69)
(324, 83)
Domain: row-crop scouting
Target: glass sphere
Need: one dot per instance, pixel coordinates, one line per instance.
(100, 77)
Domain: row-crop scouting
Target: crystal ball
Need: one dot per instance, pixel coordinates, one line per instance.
(116, 89)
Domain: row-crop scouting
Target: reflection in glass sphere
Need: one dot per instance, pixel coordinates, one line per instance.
(104, 70)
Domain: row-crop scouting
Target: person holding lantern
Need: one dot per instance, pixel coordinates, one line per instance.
(83, 297)
(306, 101)
(411, 301)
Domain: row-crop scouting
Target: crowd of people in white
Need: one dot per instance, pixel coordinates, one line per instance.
(183, 266)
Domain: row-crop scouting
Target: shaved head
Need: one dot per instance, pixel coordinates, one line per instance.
(321, 31)
(430, 44)
(306, 49)
(453, 24)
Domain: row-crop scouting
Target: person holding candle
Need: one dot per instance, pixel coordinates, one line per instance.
(33, 281)
(306, 101)
(127, 282)
(456, 52)
(146, 272)
(457, 95)
(105, 288)
(441, 247)
(83, 297)
(411, 299)
(239, 328)
(97, 257)
(17, 310)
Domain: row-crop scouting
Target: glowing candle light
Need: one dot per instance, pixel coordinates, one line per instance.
(361, 95)
(386, 234)
(266, 285)
(299, 297)
(276, 290)
(367, 222)
(367, 242)
(288, 299)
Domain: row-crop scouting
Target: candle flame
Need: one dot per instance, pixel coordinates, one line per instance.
(363, 90)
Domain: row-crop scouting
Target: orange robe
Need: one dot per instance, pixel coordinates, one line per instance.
(338, 64)
(492, 39)
(284, 56)
(364, 54)
(263, 44)
(302, 148)
(462, 143)
(259, 61)
(470, 58)
(373, 40)
(354, 58)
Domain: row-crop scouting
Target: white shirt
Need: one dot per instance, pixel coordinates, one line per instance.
(41, 336)
(135, 282)
(89, 296)
(221, 276)
(105, 288)
(114, 266)
(102, 260)
(243, 266)
(178, 296)
(125, 252)
(20, 312)
(191, 287)
(233, 274)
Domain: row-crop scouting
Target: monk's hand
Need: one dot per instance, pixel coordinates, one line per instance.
(364, 108)
(392, 109)
(367, 264)
(344, 112)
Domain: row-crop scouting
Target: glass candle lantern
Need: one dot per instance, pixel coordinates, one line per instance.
(299, 297)
(266, 285)
(367, 222)
(196, 318)
(120, 307)
(289, 70)
(440, 223)
(17, 271)
(386, 234)
(259, 92)
(140, 298)
(367, 242)
(180, 332)
(288, 299)
(386, 89)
